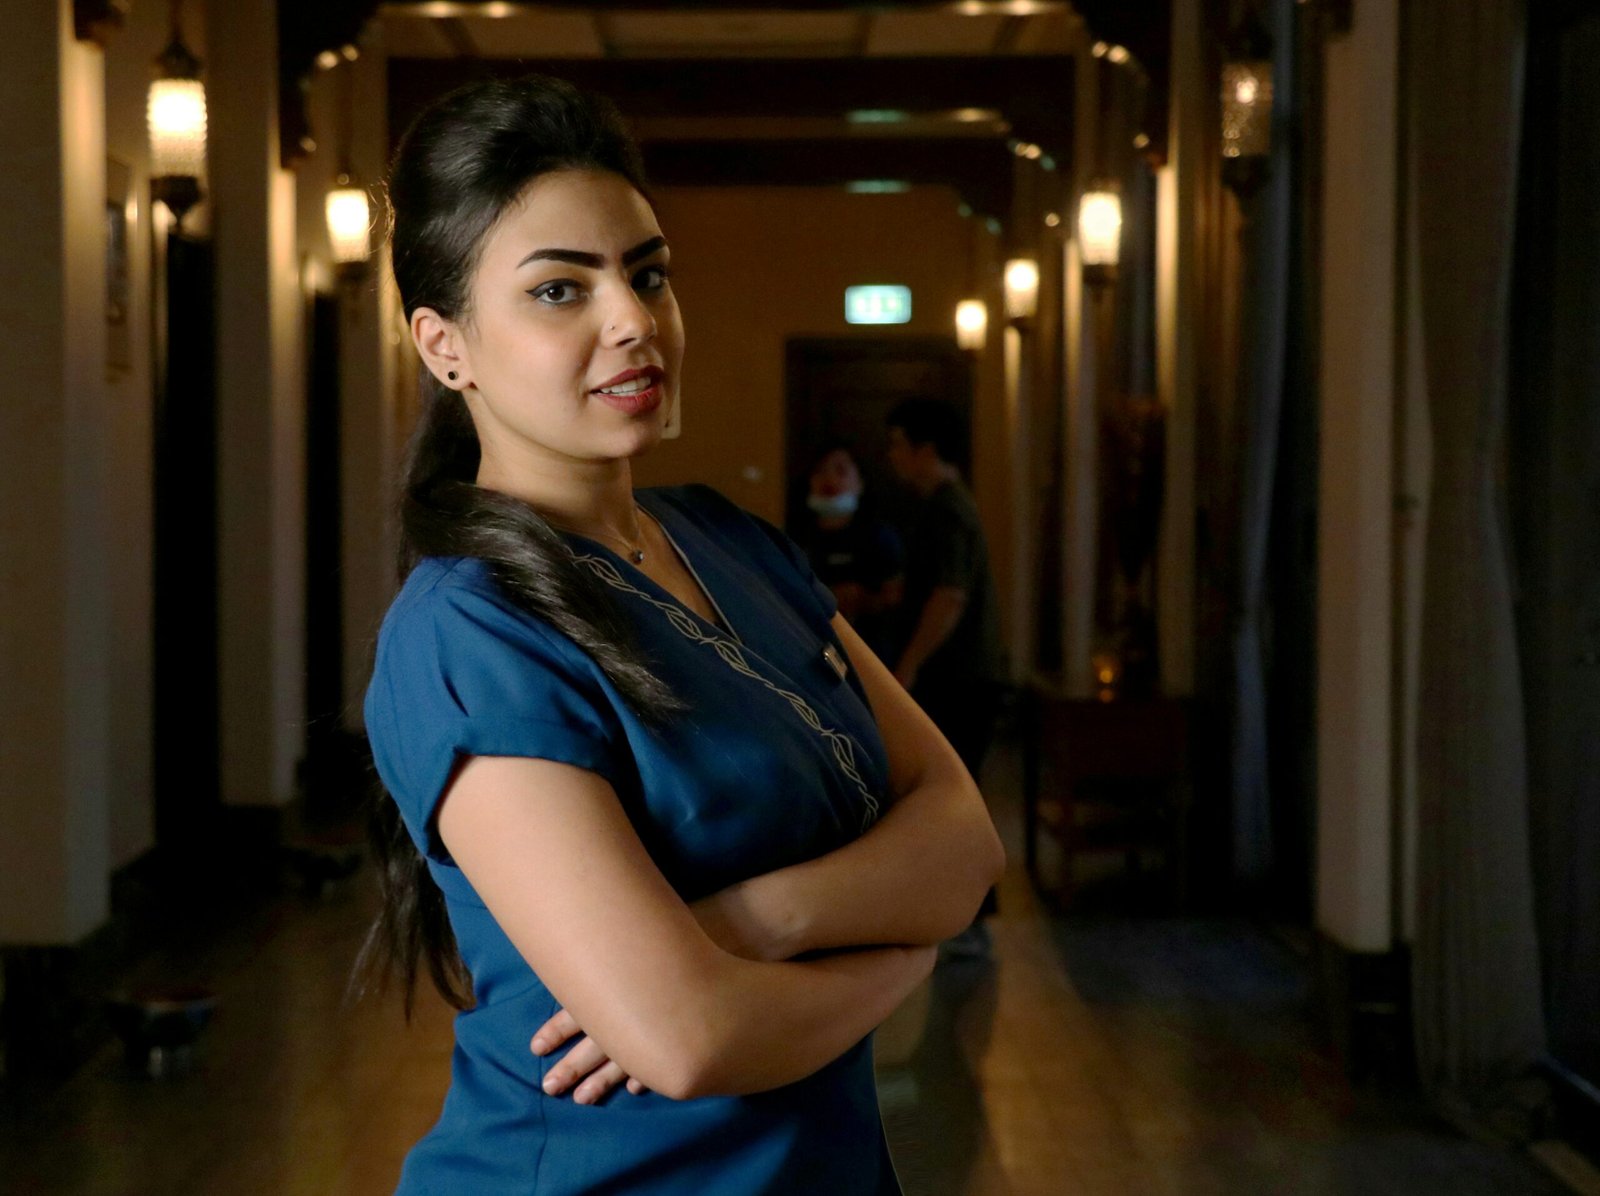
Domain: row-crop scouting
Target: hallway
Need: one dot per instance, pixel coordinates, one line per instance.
(1099, 1056)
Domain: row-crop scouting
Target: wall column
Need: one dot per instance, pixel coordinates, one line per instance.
(54, 613)
(1080, 425)
(1356, 531)
(370, 436)
(261, 412)
(1178, 315)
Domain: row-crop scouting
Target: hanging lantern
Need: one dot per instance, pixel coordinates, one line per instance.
(349, 225)
(175, 115)
(348, 208)
(972, 324)
(1100, 233)
(1247, 105)
(1022, 288)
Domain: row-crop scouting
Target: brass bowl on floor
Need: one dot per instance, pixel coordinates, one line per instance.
(159, 1027)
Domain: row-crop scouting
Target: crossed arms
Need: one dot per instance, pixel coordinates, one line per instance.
(711, 1000)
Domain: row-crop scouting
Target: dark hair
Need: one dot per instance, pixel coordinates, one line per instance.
(830, 446)
(458, 168)
(929, 421)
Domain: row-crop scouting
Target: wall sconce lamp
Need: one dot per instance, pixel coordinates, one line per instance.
(972, 324)
(1247, 106)
(1022, 288)
(1100, 234)
(348, 208)
(349, 224)
(175, 115)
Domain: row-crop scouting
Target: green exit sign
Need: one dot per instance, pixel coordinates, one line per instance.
(877, 305)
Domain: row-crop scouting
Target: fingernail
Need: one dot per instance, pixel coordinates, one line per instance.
(552, 1083)
(540, 1046)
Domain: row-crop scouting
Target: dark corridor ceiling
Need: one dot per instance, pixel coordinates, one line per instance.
(734, 91)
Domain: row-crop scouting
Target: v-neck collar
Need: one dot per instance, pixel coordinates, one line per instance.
(648, 500)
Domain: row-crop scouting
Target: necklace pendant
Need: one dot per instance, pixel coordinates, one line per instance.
(638, 556)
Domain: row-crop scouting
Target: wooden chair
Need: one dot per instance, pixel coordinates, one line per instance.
(1103, 777)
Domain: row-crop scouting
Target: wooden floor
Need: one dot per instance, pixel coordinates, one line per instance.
(1099, 1056)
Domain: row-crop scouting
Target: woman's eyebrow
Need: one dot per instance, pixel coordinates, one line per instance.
(593, 261)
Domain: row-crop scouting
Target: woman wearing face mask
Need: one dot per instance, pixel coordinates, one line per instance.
(857, 556)
(652, 801)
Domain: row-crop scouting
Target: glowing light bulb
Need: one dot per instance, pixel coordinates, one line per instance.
(176, 116)
(1099, 228)
(972, 323)
(1022, 288)
(349, 223)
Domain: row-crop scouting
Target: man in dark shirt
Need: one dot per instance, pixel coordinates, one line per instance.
(951, 659)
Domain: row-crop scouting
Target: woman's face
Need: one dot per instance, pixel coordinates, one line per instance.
(574, 341)
(835, 474)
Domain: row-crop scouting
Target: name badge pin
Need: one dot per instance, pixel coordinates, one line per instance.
(835, 661)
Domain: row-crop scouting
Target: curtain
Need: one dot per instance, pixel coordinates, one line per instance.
(1264, 331)
(1476, 994)
(1555, 463)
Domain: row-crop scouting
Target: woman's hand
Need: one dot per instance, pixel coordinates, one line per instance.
(587, 1065)
(728, 922)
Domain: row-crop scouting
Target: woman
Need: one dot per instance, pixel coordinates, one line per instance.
(659, 803)
(858, 557)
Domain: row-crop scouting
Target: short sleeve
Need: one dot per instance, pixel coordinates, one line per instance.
(461, 672)
(954, 546)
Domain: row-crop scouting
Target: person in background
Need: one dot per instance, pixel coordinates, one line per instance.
(951, 659)
(857, 556)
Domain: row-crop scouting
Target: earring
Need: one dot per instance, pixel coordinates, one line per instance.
(451, 375)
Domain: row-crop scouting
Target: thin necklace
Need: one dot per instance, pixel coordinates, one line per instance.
(634, 546)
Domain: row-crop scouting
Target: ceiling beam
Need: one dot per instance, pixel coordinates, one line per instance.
(979, 172)
(954, 7)
(1033, 94)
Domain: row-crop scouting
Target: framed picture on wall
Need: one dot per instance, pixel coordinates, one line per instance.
(119, 186)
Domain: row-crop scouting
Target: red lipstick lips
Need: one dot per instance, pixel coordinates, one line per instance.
(652, 372)
(633, 392)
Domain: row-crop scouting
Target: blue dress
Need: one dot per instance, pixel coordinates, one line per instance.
(779, 760)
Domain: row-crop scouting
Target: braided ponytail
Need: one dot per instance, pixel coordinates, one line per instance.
(459, 166)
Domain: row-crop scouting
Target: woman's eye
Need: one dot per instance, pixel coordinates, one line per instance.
(556, 294)
(652, 278)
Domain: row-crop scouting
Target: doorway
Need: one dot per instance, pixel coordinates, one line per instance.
(185, 730)
(842, 389)
(328, 782)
